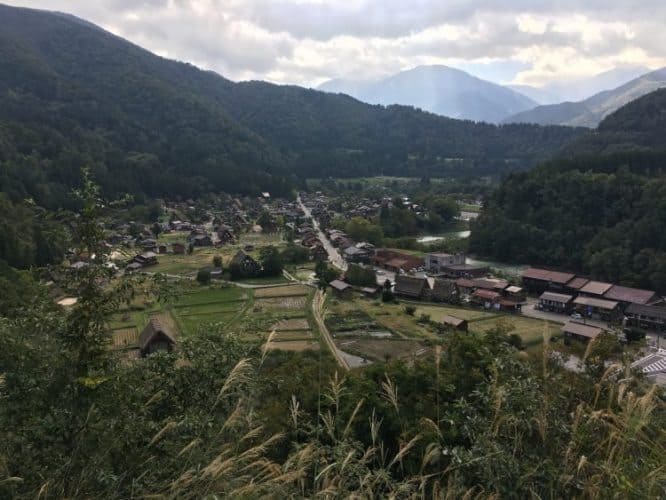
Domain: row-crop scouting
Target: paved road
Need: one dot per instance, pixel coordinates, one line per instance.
(529, 311)
(334, 256)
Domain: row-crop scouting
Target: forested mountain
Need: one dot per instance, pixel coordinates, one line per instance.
(72, 94)
(441, 90)
(601, 211)
(591, 111)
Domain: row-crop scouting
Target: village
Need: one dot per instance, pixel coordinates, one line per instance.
(254, 265)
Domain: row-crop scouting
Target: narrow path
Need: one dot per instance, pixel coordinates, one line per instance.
(317, 311)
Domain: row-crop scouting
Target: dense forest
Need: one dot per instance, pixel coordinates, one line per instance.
(73, 95)
(227, 419)
(600, 212)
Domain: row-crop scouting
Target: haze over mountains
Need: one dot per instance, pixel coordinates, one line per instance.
(438, 89)
(457, 94)
(589, 112)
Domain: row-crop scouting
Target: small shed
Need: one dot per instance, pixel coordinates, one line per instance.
(341, 289)
(456, 323)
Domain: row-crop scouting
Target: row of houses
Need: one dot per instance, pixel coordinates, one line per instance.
(567, 293)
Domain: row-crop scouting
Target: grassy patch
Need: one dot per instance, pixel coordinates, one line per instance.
(281, 291)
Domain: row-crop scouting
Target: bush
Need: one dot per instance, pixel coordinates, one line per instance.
(387, 296)
(217, 261)
(424, 318)
(516, 341)
(634, 334)
(203, 277)
(411, 310)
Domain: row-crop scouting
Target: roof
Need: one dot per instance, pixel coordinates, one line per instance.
(486, 294)
(598, 303)
(577, 283)
(490, 283)
(582, 330)
(452, 320)
(410, 285)
(154, 328)
(513, 289)
(556, 297)
(339, 285)
(465, 267)
(649, 311)
(465, 283)
(240, 257)
(545, 275)
(631, 295)
(596, 287)
(440, 254)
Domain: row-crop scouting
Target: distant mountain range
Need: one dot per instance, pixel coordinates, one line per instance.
(440, 90)
(582, 88)
(591, 111)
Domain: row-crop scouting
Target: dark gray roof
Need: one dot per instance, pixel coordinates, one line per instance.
(648, 311)
(556, 297)
(410, 285)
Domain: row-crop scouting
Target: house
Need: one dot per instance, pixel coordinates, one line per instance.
(341, 289)
(592, 307)
(201, 240)
(436, 262)
(626, 295)
(396, 261)
(494, 284)
(489, 299)
(556, 302)
(318, 253)
(595, 289)
(645, 316)
(133, 266)
(443, 290)
(539, 280)
(515, 293)
(580, 331)
(244, 265)
(370, 291)
(465, 286)
(574, 286)
(178, 248)
(411, 287)
(357, 255)
(455, 323)
(146, 259)
(156, 337)
(225, 234)
(465, 271)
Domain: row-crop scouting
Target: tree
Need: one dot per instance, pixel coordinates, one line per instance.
(203, 277)
(271, 261)
(295, 254)
(360, 275)
(217, 261)
(410, 310)
(325, 274)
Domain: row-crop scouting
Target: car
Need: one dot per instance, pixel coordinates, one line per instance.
(380, 272)
(576, 316)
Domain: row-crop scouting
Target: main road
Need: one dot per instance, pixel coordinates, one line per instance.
(334, 256)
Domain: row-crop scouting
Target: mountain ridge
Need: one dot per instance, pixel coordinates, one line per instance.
(438, 89)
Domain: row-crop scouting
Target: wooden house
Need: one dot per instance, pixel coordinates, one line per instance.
(156, 337)
(455, 323)
(411, 287)
(580, 331)
(556, 302)
(341, 289)
(245, 265)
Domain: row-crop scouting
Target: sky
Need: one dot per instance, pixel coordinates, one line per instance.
(307, 42)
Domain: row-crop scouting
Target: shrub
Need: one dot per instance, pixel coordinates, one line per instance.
(424, 318)
(411, 310)
(203, 277)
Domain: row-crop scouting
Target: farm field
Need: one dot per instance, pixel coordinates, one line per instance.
(531, 330)
(383, 350)
(437, 312)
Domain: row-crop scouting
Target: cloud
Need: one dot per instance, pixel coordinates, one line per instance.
(308, 41)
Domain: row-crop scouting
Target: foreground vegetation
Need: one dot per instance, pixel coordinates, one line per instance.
(221, 416)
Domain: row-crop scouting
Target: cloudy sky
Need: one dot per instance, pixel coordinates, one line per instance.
(309, 41)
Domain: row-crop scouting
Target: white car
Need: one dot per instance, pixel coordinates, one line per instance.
(576, 316)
